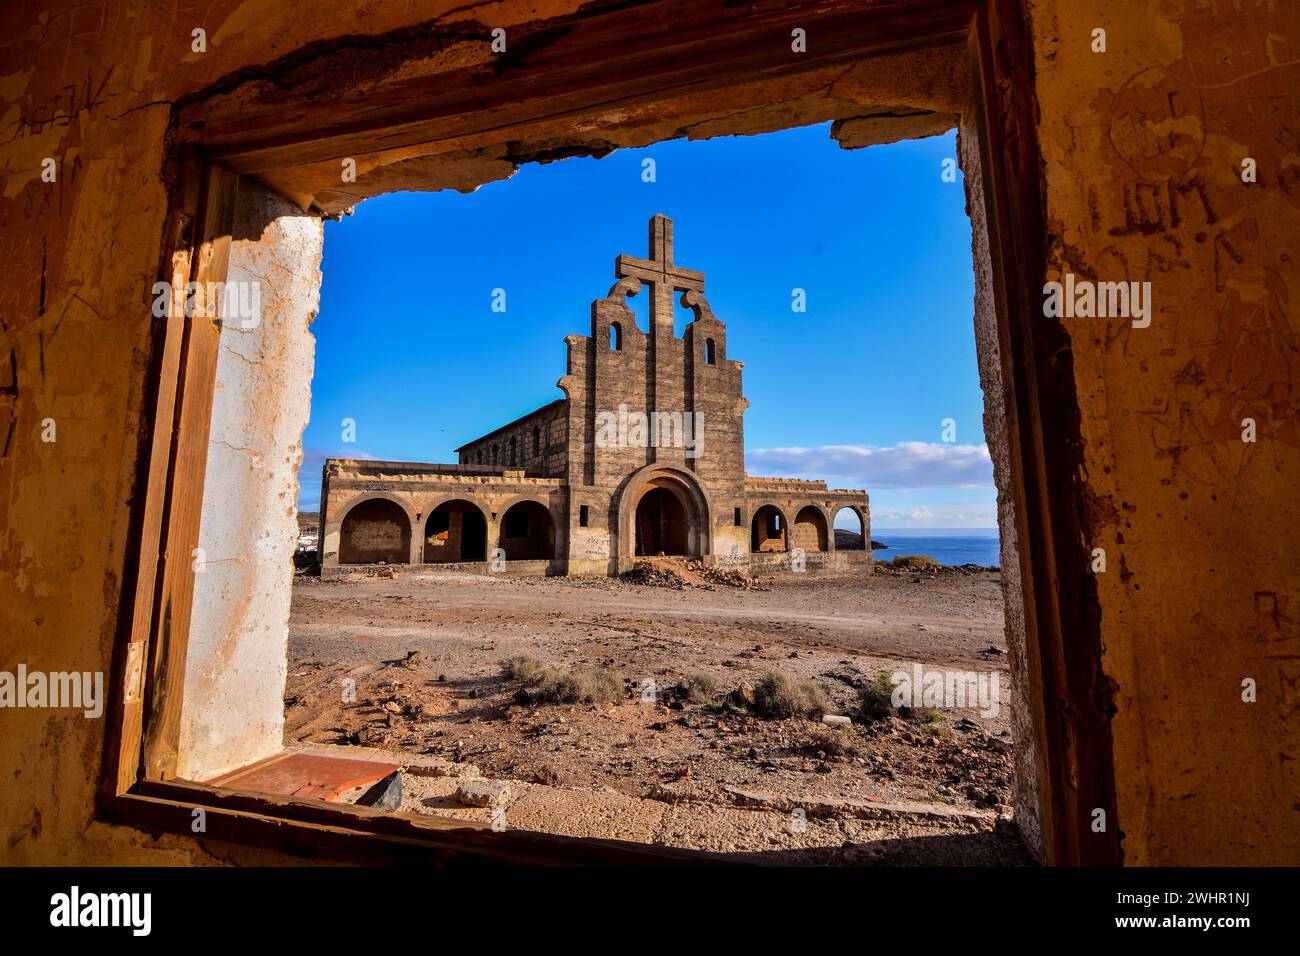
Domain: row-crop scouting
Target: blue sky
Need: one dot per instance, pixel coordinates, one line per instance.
(854, 390)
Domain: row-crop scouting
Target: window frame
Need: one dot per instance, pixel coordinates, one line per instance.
(1062, 616)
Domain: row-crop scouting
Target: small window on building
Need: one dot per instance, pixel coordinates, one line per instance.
(582, 516)
(496, 456)
(514, 451)
(615, 337)
(708, 352)
(537, 441)
(740, 521)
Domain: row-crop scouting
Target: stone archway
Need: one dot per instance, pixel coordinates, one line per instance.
(662, 509)
(527, 532)
(375, 531)
(769, 530)
(456, 530)
(847, 539)
(809, 529)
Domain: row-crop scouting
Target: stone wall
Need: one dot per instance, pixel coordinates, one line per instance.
(538, 443)
(415, 490)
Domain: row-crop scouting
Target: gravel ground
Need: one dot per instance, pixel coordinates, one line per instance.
(424, 650)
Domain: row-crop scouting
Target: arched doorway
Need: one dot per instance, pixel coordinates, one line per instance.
(849, 530)
(675, 519)
(768, 531)
(455, 531)
(661, 523)
(527, 532)
(373, 532)
(809, 530)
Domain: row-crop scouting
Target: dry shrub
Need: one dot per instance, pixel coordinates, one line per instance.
(697, 688)
(875, 698)
(777, 696)
(915, 562)
(529, 671)
(833, 742)
(584, 684)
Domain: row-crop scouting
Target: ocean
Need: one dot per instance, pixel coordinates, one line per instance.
(947, 546)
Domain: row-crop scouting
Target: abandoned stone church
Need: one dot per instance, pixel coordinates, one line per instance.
(644, 455)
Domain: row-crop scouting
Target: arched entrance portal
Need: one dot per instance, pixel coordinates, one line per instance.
(527, 532)
(661, 510)
(661, 523)
(375, 531)
(455, 531)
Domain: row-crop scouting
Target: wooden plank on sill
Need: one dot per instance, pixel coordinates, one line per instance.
(306, 776)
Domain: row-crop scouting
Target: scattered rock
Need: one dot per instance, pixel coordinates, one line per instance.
(743, 695)
(384, 795)
(428, 767)
(483, 793)
(413, 659)
(666, 793)
(997, 745)
(546, 775)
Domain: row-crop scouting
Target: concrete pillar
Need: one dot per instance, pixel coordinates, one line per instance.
(238, 640)
(417, 538)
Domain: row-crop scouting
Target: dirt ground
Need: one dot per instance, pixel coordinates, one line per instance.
(425, 648)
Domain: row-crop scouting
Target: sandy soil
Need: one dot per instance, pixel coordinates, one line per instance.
(448, 699)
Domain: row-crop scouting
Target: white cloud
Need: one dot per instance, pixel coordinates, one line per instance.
(939, 517)
(905, 465)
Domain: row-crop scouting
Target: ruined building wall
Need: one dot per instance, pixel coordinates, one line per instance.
(601, 379)
(1143, 150)
(543, 458)
(717, 394)
(1025, 686)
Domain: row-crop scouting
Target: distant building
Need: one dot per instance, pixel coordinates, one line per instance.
(643, 456)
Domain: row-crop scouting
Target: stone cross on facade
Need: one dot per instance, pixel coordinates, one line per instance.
(667, 356)
(662, 276)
